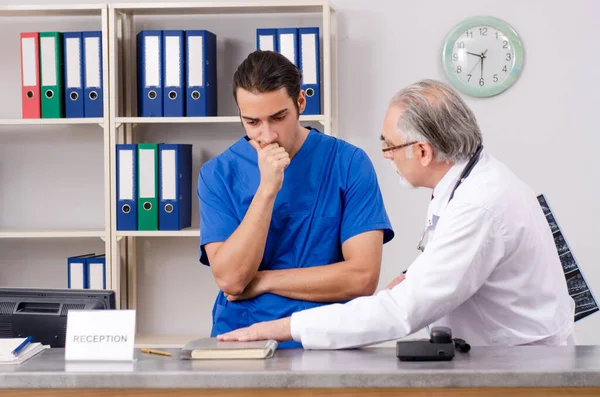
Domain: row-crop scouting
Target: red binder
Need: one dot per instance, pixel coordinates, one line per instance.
(30, 75)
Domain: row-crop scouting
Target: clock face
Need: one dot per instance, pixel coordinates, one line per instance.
(482, 56)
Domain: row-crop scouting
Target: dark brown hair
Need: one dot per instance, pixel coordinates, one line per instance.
(266, 71)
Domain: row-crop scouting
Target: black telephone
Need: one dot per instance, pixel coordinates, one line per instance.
(439, 347)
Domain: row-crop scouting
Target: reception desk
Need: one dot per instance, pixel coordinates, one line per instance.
(490, 372)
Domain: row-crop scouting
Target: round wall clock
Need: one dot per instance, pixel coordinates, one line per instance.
(482, 56)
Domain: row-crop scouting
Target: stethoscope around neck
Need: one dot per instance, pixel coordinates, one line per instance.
(463, 175)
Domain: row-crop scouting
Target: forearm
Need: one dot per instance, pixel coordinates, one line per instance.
(330, 283)
(237, 260)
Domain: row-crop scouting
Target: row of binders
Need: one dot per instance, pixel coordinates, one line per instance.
(61, 74)
(177, 73)
(154, 186)
(86, 271)
(302, 47)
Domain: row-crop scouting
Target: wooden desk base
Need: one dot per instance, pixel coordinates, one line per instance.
(448, 392)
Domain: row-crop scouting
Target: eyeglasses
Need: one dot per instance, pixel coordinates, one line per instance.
(387, 151)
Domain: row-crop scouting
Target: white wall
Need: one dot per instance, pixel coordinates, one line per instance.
(544, 128)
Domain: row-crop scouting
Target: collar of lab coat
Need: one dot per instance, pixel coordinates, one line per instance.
(443, 190)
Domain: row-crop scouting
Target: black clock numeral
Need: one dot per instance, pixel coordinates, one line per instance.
(469, 35)
(461, 44)
(483, 31)
(504, 44)
(469, 78)
(495, 78)
(481, 82)
(504, 69)
(496, 35)
(455, 57)
(508, 56)
(458, 69)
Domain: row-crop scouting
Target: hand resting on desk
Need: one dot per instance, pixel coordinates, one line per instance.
(280, 330)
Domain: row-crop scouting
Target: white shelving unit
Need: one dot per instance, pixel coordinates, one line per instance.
(188, 232)
(14, 233)
(61, 18)
(125, 127)
(120, 124)
(42, 122)
(193, 120)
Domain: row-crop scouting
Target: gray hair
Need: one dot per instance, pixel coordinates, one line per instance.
(434, 113)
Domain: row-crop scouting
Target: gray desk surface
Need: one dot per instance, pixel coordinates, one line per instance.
(532, 366)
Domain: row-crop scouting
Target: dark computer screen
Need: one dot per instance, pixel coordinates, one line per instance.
(42, 313)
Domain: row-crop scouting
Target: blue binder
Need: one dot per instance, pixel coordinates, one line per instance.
(201, 73)
(77, 271)
(266, 40)
(310, 65)
(173, 71)
(92, 58)
(73, 74)
(175, 186)
(287, 43)
(96, 272)
(149, 56)
(127, 175)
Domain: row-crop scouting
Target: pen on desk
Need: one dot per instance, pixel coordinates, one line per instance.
(153, 351)
(22, 346)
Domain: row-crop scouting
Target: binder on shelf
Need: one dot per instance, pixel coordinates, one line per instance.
(30, 71)
(96, 272)
(266, 40)
(148, 186)
(51, 65)
(287, 42)
(92, 57)
(175, 199)
(77, 271)
(127, 184)
(150, 91)
(310, 65)
(73, 74)
(173, 71)
(201, 73)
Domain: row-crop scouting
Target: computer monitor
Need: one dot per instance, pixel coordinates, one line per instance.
(42, 313)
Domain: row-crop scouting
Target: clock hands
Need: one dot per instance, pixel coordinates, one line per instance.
(482, 55)
(482, 58)
(480, 62)
(471, 72)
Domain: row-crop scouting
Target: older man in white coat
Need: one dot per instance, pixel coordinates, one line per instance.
(489, 268)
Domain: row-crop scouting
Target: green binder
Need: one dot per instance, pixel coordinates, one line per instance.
(51, 71)
(147, 186)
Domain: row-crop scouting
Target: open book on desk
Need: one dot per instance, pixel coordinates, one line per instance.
(211, 348)
(7, 345)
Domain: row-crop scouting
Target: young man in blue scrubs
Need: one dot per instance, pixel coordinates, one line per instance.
(290, 218)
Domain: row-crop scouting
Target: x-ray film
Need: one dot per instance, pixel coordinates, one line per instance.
(585, 304)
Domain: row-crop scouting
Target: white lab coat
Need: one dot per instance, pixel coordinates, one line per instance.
(490, 271)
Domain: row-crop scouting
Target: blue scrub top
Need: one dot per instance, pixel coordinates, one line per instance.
(329, 194)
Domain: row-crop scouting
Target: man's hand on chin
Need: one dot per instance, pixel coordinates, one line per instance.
(280, 330)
